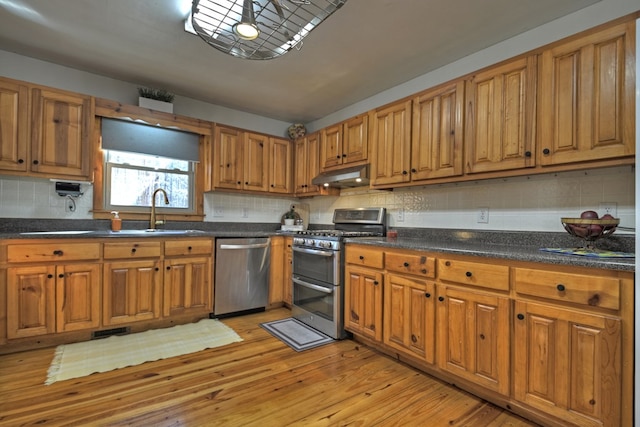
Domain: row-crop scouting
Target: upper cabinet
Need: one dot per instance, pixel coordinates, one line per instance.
(344, 144)
(280, 165)
(501, 103)
(391, 144)
(587, 97)
(44, 131)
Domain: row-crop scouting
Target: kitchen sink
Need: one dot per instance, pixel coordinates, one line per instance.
(65, 232)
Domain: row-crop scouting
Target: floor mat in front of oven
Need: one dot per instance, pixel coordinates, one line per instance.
(296, 334)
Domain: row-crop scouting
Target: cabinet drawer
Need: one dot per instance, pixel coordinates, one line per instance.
(131, 250)
(370, 257)
(575, 288)
(474, 273)
(188, 247)
(417, 264)
(53, 252)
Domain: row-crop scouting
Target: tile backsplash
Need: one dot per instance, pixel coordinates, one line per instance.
(528, 203)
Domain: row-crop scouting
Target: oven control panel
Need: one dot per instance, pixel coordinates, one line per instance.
(305, 242)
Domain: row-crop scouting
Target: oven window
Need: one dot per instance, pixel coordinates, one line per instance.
(319, 303)
(315, 268)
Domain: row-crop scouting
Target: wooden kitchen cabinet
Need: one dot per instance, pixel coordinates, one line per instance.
(345, 143)
(14, 126)
(409, 316)
(500, 117)
(391, 144)
(587, 97)
(44, 131)
(568, 363)
(280, 166)
(473, 337)
(255, 157)
(363, 302)
(188, 272)
(131, 291)
(307, 167)
(48, 292)
(280, 274)
(228, 150)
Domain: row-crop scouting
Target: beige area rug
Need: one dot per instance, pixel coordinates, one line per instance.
(85, 358)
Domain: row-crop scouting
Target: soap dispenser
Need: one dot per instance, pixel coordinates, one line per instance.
(116, 222)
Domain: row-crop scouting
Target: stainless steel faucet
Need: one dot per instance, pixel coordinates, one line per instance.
(152, 221)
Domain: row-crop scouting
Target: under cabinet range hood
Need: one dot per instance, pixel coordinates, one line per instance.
(355, 176)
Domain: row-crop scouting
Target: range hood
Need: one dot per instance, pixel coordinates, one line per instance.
(355, 176)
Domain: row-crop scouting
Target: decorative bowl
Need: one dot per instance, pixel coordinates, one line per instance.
(590, 229)
(296, 130)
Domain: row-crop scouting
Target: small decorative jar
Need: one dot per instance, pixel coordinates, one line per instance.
(296, 130)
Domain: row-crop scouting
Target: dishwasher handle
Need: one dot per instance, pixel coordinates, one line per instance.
(312, 286)
(248, 246)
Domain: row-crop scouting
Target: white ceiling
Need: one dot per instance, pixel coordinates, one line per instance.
(364, 48)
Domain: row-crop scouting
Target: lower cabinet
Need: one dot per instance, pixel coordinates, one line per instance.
(187, 286)
(363, 302)
(568, 363)
(474, 337)
(45, 299)
(409, 316)
(132, 291)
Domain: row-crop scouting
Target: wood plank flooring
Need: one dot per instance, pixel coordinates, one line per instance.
(258, 382)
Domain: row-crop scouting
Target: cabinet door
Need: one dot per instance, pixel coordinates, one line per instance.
(288, 271)
(473, 337)
(227, 155)
(77, 297)
(60, 133)
(331, 147)
(131, 291)
(187, 286)
(586, 98)
(409, 316)
(14, 120)
(256, 162)
(391, 144)
(301, 174)
(567, 363)
(280, 165)
(355, 143)
(500, 117)
(363, 302)
(437, 133)
(30, 301)
(276, 270)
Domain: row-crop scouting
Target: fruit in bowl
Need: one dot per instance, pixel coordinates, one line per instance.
(589, 226)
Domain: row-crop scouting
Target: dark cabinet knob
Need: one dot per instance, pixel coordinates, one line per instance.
(157, 269)
(35, 162)
(239, 182)
(228, 165)
(168, 267)
(361, 257)
(58, 252)
(344, 155)
(133, 250)
(375, 282)
(21, 161)
(468, 274)
(520, 316)
(246, 183)
(338, 156)
(482, 336)
(413, 170)
(448, 263)
(440, 298)
(405, 173)
(527, 153)
(424, 271)
(49, 276)
(189, 248)
(546, 151)
(427, 295)
(272, 185)
(61, 275)
(414, 339)
(560, 287)
(406, 264)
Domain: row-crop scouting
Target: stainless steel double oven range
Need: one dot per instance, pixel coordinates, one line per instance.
(318, 267)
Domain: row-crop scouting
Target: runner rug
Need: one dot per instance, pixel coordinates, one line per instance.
(102, 355)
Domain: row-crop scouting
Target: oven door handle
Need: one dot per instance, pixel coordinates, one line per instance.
(313, 251)
(312, 286)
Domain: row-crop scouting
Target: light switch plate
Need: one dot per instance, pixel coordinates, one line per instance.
(483, 215)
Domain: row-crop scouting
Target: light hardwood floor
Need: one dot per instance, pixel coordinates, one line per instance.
(258, 382)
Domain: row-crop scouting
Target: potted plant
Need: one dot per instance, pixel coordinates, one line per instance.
(155, 99)
(290, 217)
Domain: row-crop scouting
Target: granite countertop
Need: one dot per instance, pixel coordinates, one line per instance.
(514, 250)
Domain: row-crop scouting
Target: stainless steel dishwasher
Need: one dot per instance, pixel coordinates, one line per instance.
(242, 275)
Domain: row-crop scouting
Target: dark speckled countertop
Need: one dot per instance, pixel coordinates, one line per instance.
(512, 245)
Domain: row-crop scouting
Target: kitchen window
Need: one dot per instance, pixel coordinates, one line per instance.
(131, 179)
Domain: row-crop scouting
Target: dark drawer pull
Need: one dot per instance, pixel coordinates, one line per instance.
(427, 294)
(58, 252)
(468, 274)
(406, 264)
(133, 251)
(189, 248)
(520, 316)
(424, 271)
(560, 287)
(361, 257)
(375, 282)
(440, 298)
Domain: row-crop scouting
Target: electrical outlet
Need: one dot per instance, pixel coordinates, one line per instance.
(483, 215)
(245, 212)
(218, 212)
(610, 208)
(400, 215)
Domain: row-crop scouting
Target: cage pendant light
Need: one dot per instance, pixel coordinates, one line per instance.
(258, 29)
